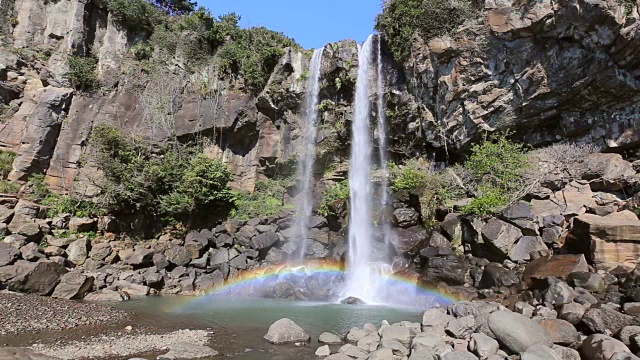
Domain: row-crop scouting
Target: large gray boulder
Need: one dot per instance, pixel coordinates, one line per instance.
(604, 319)
(78, 251)
(41, 279)
(83, 224)
(483, 346)
(286, 331)
(8, 254)
(177, 255)
(500, 235)
(517, 332)
(73, 285)
(601, 347)
(139, 258)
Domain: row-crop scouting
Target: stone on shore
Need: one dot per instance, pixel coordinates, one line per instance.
(286, 331)
(73, 285)
(601, 347)
(516, 331)
(185, 350)
(329, 338)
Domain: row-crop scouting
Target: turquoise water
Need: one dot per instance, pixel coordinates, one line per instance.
(242, 322)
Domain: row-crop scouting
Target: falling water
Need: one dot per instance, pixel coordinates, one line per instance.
(308, 152)
(382, 143)
(360, 224)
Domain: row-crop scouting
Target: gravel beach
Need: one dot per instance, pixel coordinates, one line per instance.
(31, 314)
(121, 344)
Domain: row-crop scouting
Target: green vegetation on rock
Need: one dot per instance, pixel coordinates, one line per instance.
(338, 191)
(266, 200)
(173, 183)
(6, 163)
(400, 19)
(82, 72)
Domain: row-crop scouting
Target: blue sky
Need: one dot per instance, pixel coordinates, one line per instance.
(312, 23)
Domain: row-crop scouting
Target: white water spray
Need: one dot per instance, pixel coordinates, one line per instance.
(382, 144)
(308, 152)
(360, 223)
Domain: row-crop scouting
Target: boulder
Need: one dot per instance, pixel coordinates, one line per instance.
(606, 171)
(572, 312)
(353, 351)
(540, 352)
(355, 334)
(264, 240)
(286, 331)
(608, 241)
(195, 248)
(561, 332)
(459, 355)
(601, 347)
(31, 252)
(586, 280)
(558, 266)
(605, 319)
(8, 254)
(131, 288)
(525, 246)
(140, 258)
(101, 251)
(329, 338)
(521, 210)
(369, 342)
(483, 346)
(558, 294)
(566, 353)
(107, 295)
(78, 251)
(494, 275)
(42, 279)
(6, 214)
(462, 327)
(500, 235)
(517, 332)
(398, 333)
(406, 217)
(29, 229)
(626, 333)
(53, 251)
(451, 270)
(404, 240)
(382, 354)
(73, 285)
(338, 356)
(323, 351)
(185, 350)
(177, 255)
(83, 224)
(10, 353)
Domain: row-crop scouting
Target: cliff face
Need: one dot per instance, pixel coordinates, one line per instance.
(552, 71)
(549, 71)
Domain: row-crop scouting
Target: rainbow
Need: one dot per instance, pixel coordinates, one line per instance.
(245, 283)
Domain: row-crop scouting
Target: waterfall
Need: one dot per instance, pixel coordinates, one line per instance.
(308, 152)
(382, 143)
(360, 222)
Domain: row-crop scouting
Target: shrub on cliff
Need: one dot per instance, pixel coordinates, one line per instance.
(82, 72)
(338, 191)
(497, 167)
(6, 163)
(400, 19)
(172, 183)
(266, 200)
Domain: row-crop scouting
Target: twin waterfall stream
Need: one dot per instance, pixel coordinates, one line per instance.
(366, 265)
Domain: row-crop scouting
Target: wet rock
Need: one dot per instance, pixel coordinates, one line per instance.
(280, 290)
(601, 347)
(355, 334)
(516, 331)
(131, 288)
(351, 300)
(73, 285)
(561, 332)
(78, 251)
(353, 351)
(41, 279)
(404, 240)
(329, 338)
(264, 240)
(83, 224)
(406, 217)
(603, 319)
(184, 350)
(206, 282)
(286, 331)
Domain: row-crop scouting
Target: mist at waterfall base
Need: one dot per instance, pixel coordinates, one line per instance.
(369, 275)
